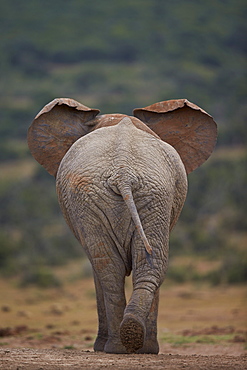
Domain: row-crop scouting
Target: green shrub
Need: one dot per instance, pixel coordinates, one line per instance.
(41, 277)
(182, 274)
(233, 270)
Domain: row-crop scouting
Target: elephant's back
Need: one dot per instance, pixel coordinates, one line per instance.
(121, 146)
(98, 162)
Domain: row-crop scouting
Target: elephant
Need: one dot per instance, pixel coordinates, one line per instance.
(121, 183)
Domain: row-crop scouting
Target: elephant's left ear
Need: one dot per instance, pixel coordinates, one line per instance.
(185, 126)
(55, 128)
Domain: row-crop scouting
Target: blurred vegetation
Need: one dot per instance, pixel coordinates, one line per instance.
(117, 56)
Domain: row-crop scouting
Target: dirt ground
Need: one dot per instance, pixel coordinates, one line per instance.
(39, 359)
(200, 327)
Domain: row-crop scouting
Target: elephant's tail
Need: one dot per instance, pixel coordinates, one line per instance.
(129, 201)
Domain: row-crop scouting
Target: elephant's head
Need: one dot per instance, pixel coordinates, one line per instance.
(185, 126)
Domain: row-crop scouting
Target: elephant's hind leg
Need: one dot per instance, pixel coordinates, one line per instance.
(115, 303)
(137, 332)
(151, 344)
(139, 327)
(133, 327)
(136, 336)
(102, 336)
(109, 271)
(132, 333)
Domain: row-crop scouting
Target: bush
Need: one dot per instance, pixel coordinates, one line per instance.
(41, 277)
(232, 271)
(182, 274)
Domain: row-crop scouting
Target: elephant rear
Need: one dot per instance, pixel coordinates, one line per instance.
(121, 188)
(113, 173)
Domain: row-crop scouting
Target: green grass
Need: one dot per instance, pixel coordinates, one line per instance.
(181, 340)
(69, 347)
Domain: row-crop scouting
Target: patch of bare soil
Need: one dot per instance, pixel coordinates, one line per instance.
(53, 352)
(54, 359)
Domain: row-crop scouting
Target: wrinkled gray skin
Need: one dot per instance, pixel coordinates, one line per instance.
(95, 181)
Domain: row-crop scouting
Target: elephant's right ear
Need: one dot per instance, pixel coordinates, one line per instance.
(55, 128)
(185, 126)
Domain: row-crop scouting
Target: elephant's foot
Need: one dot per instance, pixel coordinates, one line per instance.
(114, 345)
(99, 344)
(132, 333)
(151, 347)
